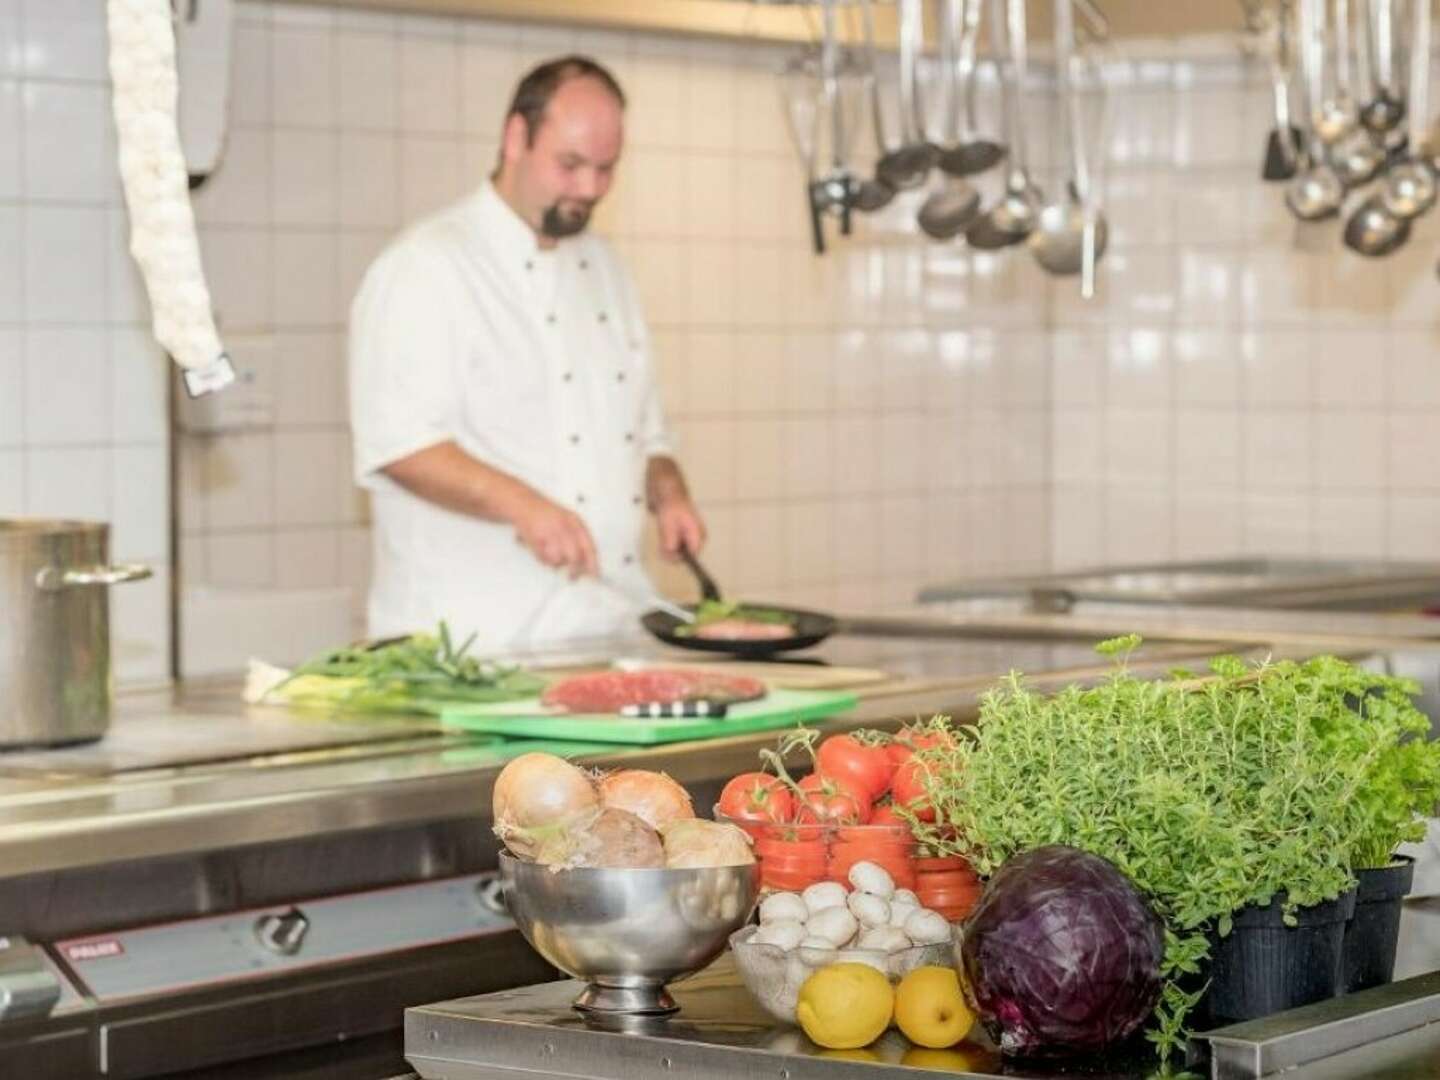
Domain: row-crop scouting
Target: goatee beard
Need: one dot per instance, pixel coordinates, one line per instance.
(557, 225)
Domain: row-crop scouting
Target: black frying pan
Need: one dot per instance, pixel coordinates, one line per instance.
(811, 627)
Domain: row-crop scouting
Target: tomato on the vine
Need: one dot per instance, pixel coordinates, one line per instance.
(886, 814)
(864, 767)
(909, 789)
(827, 800)
(757, 796)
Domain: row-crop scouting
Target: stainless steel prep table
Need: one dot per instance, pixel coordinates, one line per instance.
(264, 882)
(1390, 1032)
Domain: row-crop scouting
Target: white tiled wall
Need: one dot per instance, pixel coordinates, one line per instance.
(830, 412)
(1248, 385)
(83, 429)
(894, 413)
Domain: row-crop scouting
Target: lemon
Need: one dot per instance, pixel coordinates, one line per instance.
(852, 1055)
(845, 1006)
(930, 1009)
(918, 1057)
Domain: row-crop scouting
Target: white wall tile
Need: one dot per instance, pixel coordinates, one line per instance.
(488, 73)
(65, 264)
(430, 175)
(1208, 525)
(1414, 445)
(139, 371)
(128, 300)
(305, 177)
(306, 558)
(241, 296)
(65, 151)
(68, 482)
(63, 41)
(1138, 447)
(1207, 449)
(139, 501)
(238, 191)
(12, 483)
(309, 379)
(11, 52)
(10, 136)
(1277, 524)
(11, 265)
(1349, 526)
(12, 389)
(67, 387)
(1414, 376)
(429, 85)
(140, 629)
(1413, 527)
(239, 482)
(304, 280)
(303, 87)
(368, 74)
(250, 76)
(310, 484)
(1207, 368)
(760, 467)
(241, 559)
(1279, 448)
(369, 180)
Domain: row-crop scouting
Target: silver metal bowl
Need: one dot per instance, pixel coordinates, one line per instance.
(628, 932)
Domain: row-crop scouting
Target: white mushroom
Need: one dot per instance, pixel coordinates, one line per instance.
(784, 905)
(889, 939)
(836, 925)
(869, 877)
(870, 910)
(926, 927)
(904, 896)
(824, 894)
(900, 912)
(784, 934)
(817, 951)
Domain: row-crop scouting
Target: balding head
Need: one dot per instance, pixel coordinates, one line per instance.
(563, 136)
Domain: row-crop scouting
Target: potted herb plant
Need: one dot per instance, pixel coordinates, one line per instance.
(1401, 788)
(1225, 799)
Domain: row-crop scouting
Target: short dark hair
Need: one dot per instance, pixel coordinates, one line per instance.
(533, 94)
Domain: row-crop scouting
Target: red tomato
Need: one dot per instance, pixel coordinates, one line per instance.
(877, 834)
(941, 862)
(944, 881)
(886, 814)
(864, 768)
(898, 753)
(790, 879)
(756, 796)
(924, 737)
(909, 789)
(897, 867)
(831, 801)
(768, 848)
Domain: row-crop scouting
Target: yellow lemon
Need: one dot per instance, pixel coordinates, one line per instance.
(845, 1006)
(852, 1055)
(918, 1057)
(930, 1009)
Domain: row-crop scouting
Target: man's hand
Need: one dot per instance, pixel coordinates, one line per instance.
(555, 536)
(680, 523)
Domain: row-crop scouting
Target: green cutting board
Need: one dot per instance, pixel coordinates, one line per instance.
(527, 719)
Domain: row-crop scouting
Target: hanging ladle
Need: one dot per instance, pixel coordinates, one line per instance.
(1408, 188)
(1072, 233)
(1011, 219)
(1317, 192)
(948, 209)
(1385, 111)
(968, 153)
(908, 164)
(875, 193)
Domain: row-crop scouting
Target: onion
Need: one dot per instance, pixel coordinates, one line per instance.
(651, 796)
(695, 842)
(621, 840)
(539, 801)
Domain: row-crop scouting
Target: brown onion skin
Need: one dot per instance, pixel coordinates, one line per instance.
(651, 796)
(538, 792)
(620, 840)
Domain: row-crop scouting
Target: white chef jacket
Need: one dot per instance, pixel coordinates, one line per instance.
(536, 362)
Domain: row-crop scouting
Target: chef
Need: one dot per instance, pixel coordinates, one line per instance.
(503, 404)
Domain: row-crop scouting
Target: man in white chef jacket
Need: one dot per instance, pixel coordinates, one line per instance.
(504, 412)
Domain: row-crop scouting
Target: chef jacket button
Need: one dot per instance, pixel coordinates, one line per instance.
(629, 559)
(620, 376)
(604, 317)
(636, 500)
(567, 376)
(580, 499)
(550, 318)
(529, 264)
(574, 440)
(629, 436)
(584, 264)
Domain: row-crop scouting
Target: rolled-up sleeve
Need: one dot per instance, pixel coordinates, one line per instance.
(403, 352)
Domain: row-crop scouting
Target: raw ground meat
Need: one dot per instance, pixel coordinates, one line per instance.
(744, 630)
(611, 691)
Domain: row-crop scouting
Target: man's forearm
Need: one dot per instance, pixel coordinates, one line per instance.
(664, 482)
(446, 475)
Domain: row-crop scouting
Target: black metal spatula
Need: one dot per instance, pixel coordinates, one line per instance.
(708, 589)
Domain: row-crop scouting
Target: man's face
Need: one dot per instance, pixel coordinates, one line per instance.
(564, 168)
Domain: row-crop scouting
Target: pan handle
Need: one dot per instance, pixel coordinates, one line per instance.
(708, 589)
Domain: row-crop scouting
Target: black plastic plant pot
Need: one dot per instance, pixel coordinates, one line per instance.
(1374, 929)
(1265, 967)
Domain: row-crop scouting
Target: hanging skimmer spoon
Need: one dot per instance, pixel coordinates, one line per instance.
(909, 163)
(1011, 219)
(877, 191)
(1317, 192)
(968, 153)
(948, 209)
(1385, 111)
(1408, 188)
(1282, 145)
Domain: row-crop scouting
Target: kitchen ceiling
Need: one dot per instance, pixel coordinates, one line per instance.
(785, 21)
